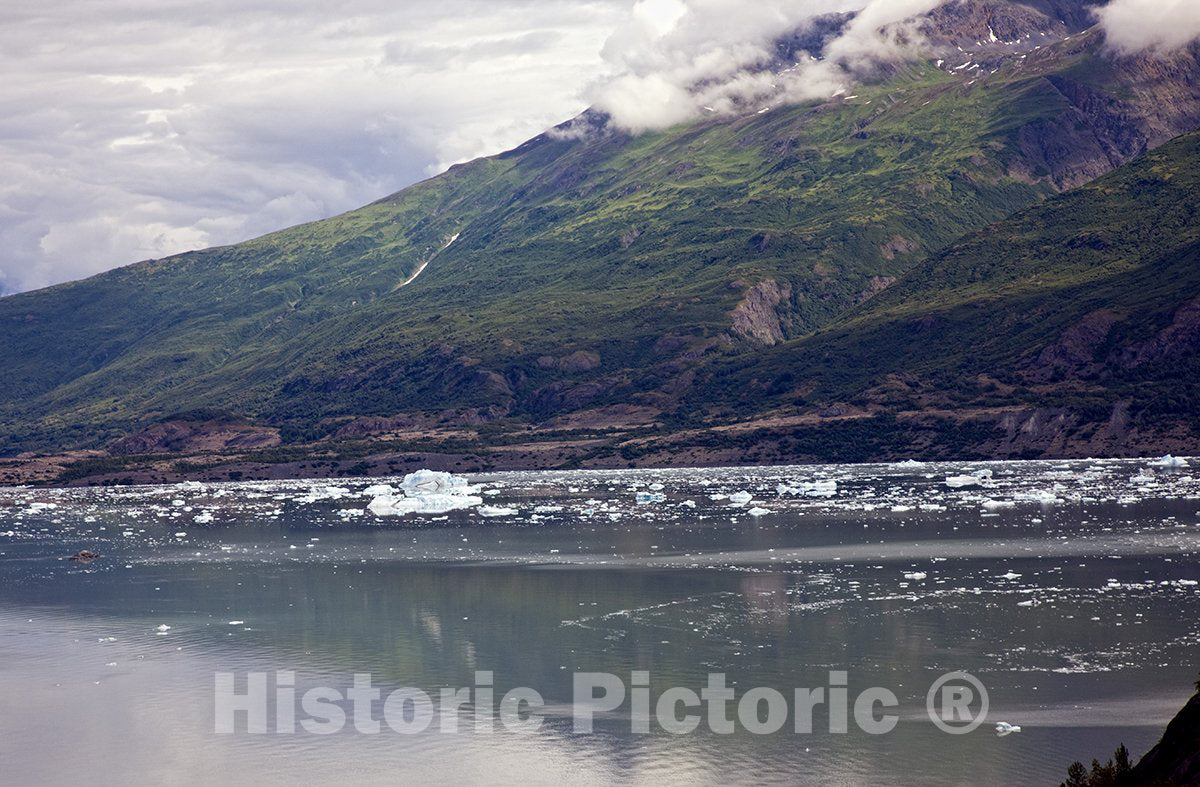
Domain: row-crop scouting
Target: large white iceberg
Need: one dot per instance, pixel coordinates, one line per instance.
(428, 482)
(425, 492)
(1170, 461)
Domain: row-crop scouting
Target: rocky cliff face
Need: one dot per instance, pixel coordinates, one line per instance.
(1176, 758)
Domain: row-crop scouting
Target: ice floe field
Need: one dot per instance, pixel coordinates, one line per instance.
(1069, 588)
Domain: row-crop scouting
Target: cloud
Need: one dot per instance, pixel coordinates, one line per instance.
(135, 129)
(679, 59)
(1155, 25)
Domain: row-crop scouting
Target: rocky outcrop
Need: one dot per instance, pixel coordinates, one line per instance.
(1080, 351)
(1074, 354)
(763, 313)
(1178, 340)
(578, 361)
(876, 285)
(897, 245)
(1176, 758)
(195, 437)
(1098, 132)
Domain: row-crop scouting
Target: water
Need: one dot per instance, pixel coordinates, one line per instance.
(1069, 589)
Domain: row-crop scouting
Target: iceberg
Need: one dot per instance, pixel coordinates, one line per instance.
(1169, 461)
(758, 511)
(387, 505)
(740, 498)
(425, 492)
(427, 482)
(1004, 728)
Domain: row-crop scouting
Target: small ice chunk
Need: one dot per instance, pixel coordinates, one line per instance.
(163, 628)
(490, 511)
(916, 576)
(740, 498)
(758, 511)
(1004, 728)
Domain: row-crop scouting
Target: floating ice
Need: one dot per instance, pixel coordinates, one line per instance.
(758, 511)
(916, 576)
(490, 511)
(428, 482)
(1170, 461)
(323, 493)
(995, 505)
(740, 498)
(1004, 728)
(163, 628)
(975, 479)
(203, 518)
(426, 492)
(825, 488)
(387, 505)
(649, 497)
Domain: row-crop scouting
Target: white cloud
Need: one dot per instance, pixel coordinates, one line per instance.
(132, 129)
(679, 59)
(1156, 25)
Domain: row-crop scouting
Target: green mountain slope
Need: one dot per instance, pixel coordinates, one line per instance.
(587, 268)
(1087, 306)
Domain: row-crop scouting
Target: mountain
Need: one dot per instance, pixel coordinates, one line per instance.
(1072, 327)
(1175, 759)
(724, 290)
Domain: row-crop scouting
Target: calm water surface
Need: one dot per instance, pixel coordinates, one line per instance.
(1070, 589)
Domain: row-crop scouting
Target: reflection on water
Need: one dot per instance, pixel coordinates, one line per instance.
(1069, 588)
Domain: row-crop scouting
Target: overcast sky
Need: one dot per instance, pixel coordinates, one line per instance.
(135, 129)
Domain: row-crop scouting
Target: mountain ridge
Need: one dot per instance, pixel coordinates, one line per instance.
(590, 271)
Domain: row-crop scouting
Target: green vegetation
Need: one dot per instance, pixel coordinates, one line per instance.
(1117, 772)
(635, 252)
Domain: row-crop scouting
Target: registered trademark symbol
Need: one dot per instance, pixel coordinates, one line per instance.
(957, 703)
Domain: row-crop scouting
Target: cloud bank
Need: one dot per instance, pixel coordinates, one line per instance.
(135, 129)
(678, 60)
(1155, 25)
